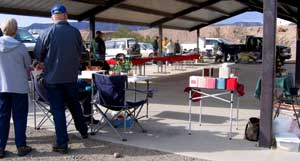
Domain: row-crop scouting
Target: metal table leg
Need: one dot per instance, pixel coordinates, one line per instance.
(190, 111)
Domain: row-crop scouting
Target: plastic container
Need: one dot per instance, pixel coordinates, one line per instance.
(221, 83)
(231, 84)
(194, 81)
(202, 82)
(119, 122)
(210, 83)
(288, 141)
(224, 72)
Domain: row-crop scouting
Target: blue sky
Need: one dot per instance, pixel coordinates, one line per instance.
(245, 17)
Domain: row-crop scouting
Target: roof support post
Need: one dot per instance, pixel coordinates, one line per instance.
(92, 27)
(198, 35)
(297, 70)
(268, 67)
(160, 45)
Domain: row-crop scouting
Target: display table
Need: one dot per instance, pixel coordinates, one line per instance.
(216, 96)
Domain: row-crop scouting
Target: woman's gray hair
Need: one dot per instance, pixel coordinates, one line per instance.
(9, 27)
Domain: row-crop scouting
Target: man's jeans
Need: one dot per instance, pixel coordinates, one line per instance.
(16, 105)
(59, 96)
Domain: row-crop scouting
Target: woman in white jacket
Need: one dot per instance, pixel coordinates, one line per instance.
(170, 48)
(14, 64)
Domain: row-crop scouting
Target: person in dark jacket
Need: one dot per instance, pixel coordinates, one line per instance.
(177, 48)
(155, 45)
(98, 46)
(1, 34)
(59, 49)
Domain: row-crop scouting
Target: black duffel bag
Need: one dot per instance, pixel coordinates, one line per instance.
(252, 129)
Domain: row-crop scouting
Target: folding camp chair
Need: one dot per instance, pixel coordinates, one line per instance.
(111, 95)
(41, 102)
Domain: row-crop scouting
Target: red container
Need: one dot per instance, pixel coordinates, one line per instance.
(231, 84)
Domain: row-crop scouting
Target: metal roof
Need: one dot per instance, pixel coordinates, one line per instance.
(176, 14)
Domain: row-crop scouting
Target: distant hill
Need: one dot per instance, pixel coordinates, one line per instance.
(85, 25)
(245, 24)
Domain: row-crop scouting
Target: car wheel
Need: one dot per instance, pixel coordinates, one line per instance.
(151, 55)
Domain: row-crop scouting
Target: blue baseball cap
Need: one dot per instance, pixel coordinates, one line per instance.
(58, 9)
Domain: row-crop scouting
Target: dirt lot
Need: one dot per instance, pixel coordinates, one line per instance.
(87, 149)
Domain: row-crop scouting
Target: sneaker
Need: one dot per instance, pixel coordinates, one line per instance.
(2, 153)
(61, 150)
(24, 150)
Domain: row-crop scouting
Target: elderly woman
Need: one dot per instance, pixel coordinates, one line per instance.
(14, 63)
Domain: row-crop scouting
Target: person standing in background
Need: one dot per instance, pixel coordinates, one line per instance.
(177, 48)
(155, 46)
(14, 64)
(164, 46)
(98, 46)
(59, 48)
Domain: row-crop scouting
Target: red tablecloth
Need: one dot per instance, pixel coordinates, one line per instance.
(141, 61)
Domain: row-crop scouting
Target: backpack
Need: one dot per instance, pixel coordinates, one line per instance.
(252, 129)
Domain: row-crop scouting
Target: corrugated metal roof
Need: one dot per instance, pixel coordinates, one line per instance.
(180, 14)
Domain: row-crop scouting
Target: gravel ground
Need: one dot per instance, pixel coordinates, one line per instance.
(86, 149)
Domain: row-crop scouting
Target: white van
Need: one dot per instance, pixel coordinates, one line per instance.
(146, 49)
(124, 46)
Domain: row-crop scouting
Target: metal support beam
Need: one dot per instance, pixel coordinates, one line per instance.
(297, 70)
(184, 12)
(92, 27)
(155, 12)
(211, 8)
(219, 19)
(98, 9)
(25, 12)
(198, 35)
(268, 65)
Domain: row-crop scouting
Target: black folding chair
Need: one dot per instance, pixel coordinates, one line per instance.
(111, 95)
(41, 102)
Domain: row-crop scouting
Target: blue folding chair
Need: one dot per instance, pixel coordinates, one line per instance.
(111, 95)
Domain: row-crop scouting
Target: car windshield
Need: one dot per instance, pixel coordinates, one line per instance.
(149, 46)
(24, 36)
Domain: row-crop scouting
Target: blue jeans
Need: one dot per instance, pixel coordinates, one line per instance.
(59, 96)
(16, 105)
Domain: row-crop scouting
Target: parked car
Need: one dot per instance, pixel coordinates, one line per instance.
(127, 46)
(27, 39)
(146, 49)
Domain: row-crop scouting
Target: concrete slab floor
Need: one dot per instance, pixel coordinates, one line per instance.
(167, 124)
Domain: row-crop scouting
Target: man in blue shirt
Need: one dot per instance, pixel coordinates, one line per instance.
(59, 49)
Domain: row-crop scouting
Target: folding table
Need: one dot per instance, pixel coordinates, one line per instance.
(217, 97)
